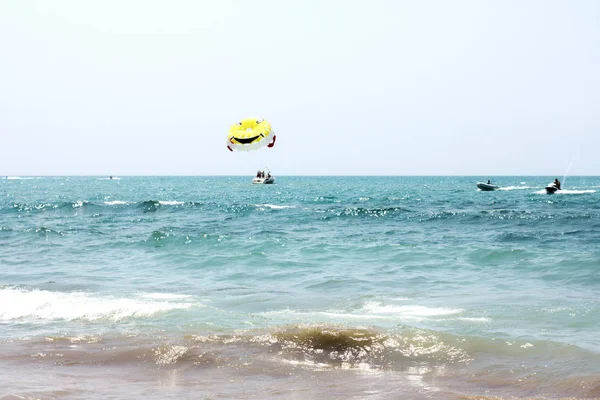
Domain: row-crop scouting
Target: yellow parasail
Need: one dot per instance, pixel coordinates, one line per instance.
(250, 134)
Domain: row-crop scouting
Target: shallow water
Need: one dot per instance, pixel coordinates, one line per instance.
(315, 287)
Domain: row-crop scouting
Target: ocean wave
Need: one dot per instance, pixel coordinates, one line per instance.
(165, 296)
(442, 215)
(319, 345)
(353, 347)
(475, 319)
(170, 202)
(349, 212)
(518, 237)
(500, 214)
(309, 345)
(408, 311)
(327, 199)
(370, 311)
(155, 205)
(43, 231)
(117, 203)
(274, 206)
(24, 305)
(327, 213)
(21, 207)
(47, 206)
(147, 205)
(79, 203)
(408, 358)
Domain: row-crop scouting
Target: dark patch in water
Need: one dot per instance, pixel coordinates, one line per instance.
(517, 237)
(329, 340)
(149, 206)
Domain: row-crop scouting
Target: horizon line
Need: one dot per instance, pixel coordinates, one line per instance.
(290, 175)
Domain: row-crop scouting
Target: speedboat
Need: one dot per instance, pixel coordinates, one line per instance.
(487, 186)
(264, 177)
(551, 188)
(264, 181)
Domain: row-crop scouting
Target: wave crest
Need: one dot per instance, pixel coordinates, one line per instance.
(23, 305)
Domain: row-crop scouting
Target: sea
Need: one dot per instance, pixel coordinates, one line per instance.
(315, 287)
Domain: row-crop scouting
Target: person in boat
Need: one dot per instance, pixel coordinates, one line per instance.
(557, 183)
(258, 174)
(489, 182)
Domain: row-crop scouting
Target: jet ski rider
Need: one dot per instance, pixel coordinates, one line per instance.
(557, 183)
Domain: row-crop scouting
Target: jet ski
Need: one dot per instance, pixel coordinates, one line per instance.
(551, 188)
(487, 186)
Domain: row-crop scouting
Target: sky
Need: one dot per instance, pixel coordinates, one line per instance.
(123, 87)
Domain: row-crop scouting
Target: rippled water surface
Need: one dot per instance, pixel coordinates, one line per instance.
(314, 287)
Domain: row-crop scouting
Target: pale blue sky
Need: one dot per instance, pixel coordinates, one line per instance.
(351, 87)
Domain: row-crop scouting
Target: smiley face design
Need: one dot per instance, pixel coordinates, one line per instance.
(250, 134)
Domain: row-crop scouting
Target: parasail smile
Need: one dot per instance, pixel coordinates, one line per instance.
(245, 140)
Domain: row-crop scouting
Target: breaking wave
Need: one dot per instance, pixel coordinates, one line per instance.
(24, 305)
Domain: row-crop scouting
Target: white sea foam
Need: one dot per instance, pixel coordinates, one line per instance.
(42, 305)
(474, 319)
(116, 203)
(408, 311)
(274, 206)
(166, 355)
(319, 316)
(343, 315)
(19, 177)
(571, 191)
(165, 296)
(79, 203)
(170, 203)
(568, 191)
(515, 188)
(370, 311)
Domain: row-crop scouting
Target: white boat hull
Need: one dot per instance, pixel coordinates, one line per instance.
(264, 181)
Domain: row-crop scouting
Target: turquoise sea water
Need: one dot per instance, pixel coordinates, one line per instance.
(314, 287)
